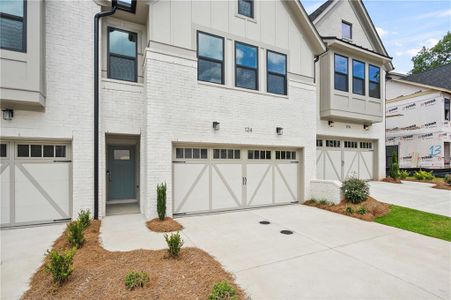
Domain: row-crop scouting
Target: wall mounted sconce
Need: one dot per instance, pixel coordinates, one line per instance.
(216, 125)
(331, 123)
(366, 127)
(8, 114)
(279, 130)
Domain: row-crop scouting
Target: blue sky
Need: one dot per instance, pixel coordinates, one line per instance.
(405, 26)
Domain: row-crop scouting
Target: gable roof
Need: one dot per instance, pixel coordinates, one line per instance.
(320, 10)
(438, 77)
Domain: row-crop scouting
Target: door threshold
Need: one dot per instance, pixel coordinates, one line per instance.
(121, 201)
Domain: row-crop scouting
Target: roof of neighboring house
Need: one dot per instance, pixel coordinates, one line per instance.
(320, 9)
(438, 77)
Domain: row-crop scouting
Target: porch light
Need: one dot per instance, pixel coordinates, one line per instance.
(8, 114)
(216, 125)
(331, 123)
(366, 127)
(279, 130)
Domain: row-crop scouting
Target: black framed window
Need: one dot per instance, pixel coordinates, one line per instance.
(375, 81)
(13, 25)
(210, 58)
(126, 5)
(276, 69)
(346, 30)
(246, 66)
(341, 73)
(447, 110)
(3, 150)
(246, 8)
(122, 54)
(358, 77)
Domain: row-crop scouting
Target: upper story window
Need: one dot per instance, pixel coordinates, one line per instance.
(126, 5)
(374, 78)
(447, 110)
(13, 25)
(341, 73)
(276, 78)
(246, 8)
(122, 54)
(346, 30)
(246, 66)
(210, 54)
(358, 77)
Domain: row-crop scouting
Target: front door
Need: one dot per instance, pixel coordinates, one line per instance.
(121, 172)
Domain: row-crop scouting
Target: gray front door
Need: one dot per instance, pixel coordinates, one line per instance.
(121, 172)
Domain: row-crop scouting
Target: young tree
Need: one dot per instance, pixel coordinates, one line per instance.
(394, 168)
(434, 57)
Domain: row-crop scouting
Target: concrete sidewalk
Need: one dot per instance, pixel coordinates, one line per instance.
(415, 195)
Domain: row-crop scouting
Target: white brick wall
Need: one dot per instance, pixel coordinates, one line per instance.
(329, 190)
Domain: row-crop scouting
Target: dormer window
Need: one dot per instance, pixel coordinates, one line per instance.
(246, 8)
(346, 30)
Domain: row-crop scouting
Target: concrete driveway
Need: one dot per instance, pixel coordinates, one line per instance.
(415, 195)
(329, 256)
(22, 253)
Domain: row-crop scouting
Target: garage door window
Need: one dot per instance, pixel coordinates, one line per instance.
(226, 154)
(333, 143)
(319, 143)
(350, 144)
(258, 154)
(38, 151)
(287, 155)
(3, 151)
(366, 145)
(191, 153)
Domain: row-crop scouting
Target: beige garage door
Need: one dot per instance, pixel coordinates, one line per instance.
(35, 182)
(209, 179)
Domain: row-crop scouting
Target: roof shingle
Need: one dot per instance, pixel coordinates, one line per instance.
(438, 77)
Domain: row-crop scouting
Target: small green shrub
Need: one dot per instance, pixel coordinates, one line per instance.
(223, 291)
(75, 234)
(161, 201)
(84, 217)
(60, 265)
(136, 280)
(361, 211)
(349, 210)
(324, 202)
(423, 175)
(403, 174)
(175, 243)
(394, 168)
(355, 190)
(448, 179)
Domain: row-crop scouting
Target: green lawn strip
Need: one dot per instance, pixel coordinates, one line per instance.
(418, 221)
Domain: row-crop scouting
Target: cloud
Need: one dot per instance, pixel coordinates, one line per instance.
(435, 14)
(409, 52)
(381, 32)
(431, 42)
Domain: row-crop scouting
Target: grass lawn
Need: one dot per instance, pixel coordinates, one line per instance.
(417, 221)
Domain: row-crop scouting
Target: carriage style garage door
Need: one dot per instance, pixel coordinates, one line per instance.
(226, 178)
(35, 182)
(338, 159)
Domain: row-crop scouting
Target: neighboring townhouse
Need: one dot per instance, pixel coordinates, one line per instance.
(350, 118)
(418, 128)
(218, 99)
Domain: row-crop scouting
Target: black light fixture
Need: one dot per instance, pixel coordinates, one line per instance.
(331, 123)
(8, 114)
(366, 127)
(216, 125)
(279, 130)
(125, 5)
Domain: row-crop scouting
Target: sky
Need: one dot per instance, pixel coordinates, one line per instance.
(405, 26)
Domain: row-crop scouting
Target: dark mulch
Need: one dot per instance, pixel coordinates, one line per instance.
(167, 225)
(391, 180)
(99, 274)
(373, 208)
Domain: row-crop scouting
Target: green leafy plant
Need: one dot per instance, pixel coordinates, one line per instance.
(423, 175)
(355, 190)
(349, 210)
(223, 291)
(161, 201)
(75, 234)
(60, 265)
(136, 280)
(394, 168)
(361, 211)
(175, 243)
(84, 217)
(403, 174)
(448, 179)
(430, 58)
(324, 202)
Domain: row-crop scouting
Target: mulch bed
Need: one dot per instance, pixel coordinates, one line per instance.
(373, 208)
(391, 180)
(167, 225)
(99, 274)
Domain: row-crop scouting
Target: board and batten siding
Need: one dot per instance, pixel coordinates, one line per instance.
(273, 27)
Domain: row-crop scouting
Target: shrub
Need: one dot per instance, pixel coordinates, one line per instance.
(136, 280)
(175, 243)
(75, 234)
(84, 217)
(448, 179)
(60, 265)
(324, 202)
(423, 175)
(222, 291)
(394, 168)
(161, 201)
(355, 190)
(349, 210)
(403, 174)
(361, 211)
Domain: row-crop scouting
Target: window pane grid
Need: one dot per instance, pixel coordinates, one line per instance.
(276, 73)
(210, 54)
(246, 66)
(191, 153)
(13, 25)
(122, 55)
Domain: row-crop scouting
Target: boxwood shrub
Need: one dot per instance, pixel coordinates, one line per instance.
(355, 190)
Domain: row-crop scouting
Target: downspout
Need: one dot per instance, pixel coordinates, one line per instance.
(96, 107)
